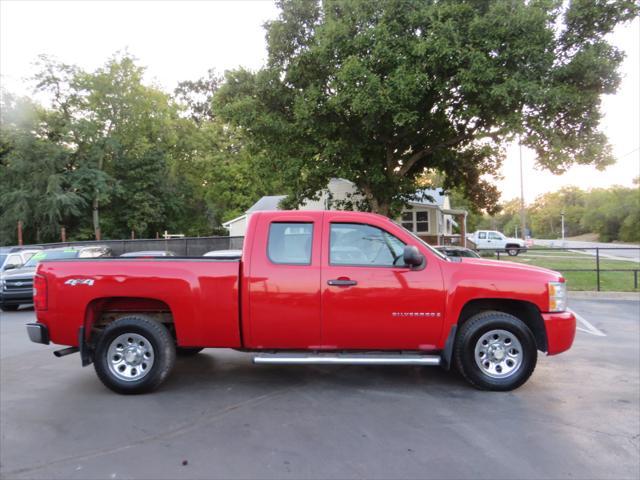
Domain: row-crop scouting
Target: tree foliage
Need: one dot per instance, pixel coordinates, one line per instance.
(380, 92)
(111, 154)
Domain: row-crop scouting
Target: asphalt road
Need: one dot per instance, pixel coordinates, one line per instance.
(622, 251)
(218, 416)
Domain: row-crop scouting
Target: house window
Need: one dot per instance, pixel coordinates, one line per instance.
(416, 222)
(407, 221)
(422, 222)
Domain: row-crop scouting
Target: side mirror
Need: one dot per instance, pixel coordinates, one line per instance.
(412, 256)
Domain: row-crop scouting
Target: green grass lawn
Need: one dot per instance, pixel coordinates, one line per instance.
(562, 261)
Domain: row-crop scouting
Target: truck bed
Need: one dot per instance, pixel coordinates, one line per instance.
(200, 293)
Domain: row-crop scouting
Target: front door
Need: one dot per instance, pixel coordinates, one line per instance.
(370, 300)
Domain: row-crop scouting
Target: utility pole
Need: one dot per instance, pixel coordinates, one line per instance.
(523, 228)
(562, 217)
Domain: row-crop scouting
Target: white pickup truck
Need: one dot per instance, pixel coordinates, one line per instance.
(493, 240)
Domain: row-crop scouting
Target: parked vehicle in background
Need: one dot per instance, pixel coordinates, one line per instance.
(453, 251)
(15, 257)
(496, 241)
(224, 254)
(16, 286)
(311, 287)
(149, 253)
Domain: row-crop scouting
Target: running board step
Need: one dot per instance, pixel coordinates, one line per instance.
(346, 359)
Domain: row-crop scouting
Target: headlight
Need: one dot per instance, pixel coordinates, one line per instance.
(557, 296)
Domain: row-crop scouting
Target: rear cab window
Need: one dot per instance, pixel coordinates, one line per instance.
(290, 243)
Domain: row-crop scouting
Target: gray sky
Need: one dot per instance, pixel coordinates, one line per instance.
(182, 40)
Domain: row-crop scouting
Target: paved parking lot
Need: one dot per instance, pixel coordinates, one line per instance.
(218, 416)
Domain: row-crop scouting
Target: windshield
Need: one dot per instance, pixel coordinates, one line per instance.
(51, 255)
(436, 252)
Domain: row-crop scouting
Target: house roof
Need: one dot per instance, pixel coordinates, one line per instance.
(420, 197)
(270, 202)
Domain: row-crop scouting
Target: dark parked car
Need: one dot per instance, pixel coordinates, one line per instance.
(149, 253)
(16, 286)
(452, 251)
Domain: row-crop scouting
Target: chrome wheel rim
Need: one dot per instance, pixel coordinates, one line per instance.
(498, 354)
(130, 357)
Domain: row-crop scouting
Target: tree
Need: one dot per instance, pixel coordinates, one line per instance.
(380, 92)
(221, 172)
(121, 135)
(546, 213)
(613, 214)
(38, 182)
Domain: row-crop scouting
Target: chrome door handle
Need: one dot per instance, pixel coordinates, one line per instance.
(341, 283)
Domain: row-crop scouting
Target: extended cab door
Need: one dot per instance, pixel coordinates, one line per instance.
(481, 240)
(370, 300)
(282, 281)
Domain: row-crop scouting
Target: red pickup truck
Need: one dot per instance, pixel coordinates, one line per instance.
(320, 287)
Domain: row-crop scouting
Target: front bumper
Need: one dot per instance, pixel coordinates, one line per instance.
(17, 297)
(561, 330)
(38, 333)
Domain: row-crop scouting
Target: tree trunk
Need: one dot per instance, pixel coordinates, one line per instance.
(96, 216)
(378, 206)
(96, 203)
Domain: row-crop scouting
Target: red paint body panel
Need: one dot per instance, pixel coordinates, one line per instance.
(389, 308)
(283, 301)
(257, 304)
(202, 295)
(561, 330)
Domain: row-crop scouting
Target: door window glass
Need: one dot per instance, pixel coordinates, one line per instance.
(290, 243)
(14, 260)
(495, 236)
(364, 245)
(482, 235)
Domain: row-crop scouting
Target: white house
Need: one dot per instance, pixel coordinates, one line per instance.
(429, 216)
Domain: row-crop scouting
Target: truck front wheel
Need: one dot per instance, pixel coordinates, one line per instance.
(134, 355)
(495, 351)
(513, 250)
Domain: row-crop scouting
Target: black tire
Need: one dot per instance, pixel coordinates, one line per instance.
(9, 308)
(468, 338)
(513, 251)
(164, 354)
(188, 351)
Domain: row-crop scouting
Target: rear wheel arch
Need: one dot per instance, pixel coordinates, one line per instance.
(101, 312)
(521, 309)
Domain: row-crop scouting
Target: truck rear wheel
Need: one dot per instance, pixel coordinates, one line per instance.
(134, 355)
(495, 351)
